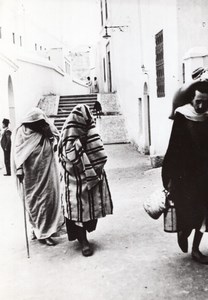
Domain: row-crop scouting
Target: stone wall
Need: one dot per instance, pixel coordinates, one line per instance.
(109, 103)
(111, 125)
(112, 129)
(49, 104)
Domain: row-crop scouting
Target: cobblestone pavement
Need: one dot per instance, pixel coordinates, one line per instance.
(134, 258)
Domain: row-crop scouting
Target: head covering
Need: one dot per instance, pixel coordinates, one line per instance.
(189, 112)
(35, 114)
(197, 73)
(186, 94)
(6, 122)
(88, 156)
(24, 142)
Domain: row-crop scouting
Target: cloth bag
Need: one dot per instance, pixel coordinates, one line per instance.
(155, 205)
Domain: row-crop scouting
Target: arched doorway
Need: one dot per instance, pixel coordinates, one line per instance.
(11, 102)
(146, 119)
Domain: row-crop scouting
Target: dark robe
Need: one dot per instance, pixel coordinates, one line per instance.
(186, 165)
(6, 146)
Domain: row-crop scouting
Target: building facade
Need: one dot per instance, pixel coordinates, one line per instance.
(146, 51)
(33, 61)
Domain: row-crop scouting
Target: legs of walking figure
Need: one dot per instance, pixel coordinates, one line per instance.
(196, 254)
(7, 162)
(183, 240)
(78, 231)
(82, 238)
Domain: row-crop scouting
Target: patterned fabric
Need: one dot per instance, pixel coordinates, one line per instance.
(41, 184)
(84, 187)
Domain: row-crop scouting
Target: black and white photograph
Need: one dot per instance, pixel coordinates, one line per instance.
(104, 149)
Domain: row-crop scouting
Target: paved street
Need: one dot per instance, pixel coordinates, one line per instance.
(134, 258)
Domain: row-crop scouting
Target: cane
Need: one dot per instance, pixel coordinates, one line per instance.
(25, 220)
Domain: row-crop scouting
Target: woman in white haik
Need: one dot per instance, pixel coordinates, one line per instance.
(35, 166)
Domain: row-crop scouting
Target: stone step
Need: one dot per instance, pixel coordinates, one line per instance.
(65, 114)
(78, 99)
(68, 102)
(89, 96)
(74, 104)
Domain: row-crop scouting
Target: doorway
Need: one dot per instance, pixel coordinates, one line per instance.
(11, 103)
(109, 75)
(146, 118)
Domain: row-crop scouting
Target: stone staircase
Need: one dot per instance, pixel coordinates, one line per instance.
(111, 125)
(67, 103)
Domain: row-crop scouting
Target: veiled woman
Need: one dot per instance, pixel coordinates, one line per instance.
(35, 166)
(84, 190)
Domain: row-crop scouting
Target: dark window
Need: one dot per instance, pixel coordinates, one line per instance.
(101, 11)
(160, 75)
(183, 72)
(106, 9)
(104, 71)
(20, 41)
(13, 38)
(0, 33)
(40, 47)
(36, 47)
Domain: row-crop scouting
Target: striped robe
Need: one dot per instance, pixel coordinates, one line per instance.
(84, 188)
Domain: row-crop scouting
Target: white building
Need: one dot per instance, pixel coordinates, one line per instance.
(153, 47)
(33, 62)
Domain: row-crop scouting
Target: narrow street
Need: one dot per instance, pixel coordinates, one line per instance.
(133, 257)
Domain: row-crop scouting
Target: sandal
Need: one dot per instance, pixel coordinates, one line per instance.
(33, 236)
(86, 250)
(50, 242)
(199, 257)
(47, 241)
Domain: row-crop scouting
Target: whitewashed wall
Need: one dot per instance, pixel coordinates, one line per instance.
(125, 59)
(135, 47)
(163, 16)
(34, 80)
(8, 70)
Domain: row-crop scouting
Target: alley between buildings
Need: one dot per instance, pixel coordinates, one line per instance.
(133, 257)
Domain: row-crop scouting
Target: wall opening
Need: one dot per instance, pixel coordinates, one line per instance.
(109, 75)
(146, 117)
(11, 103)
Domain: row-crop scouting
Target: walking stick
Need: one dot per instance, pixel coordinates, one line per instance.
(25, 220)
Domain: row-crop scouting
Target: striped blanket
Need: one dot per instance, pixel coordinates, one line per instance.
(84, 188)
